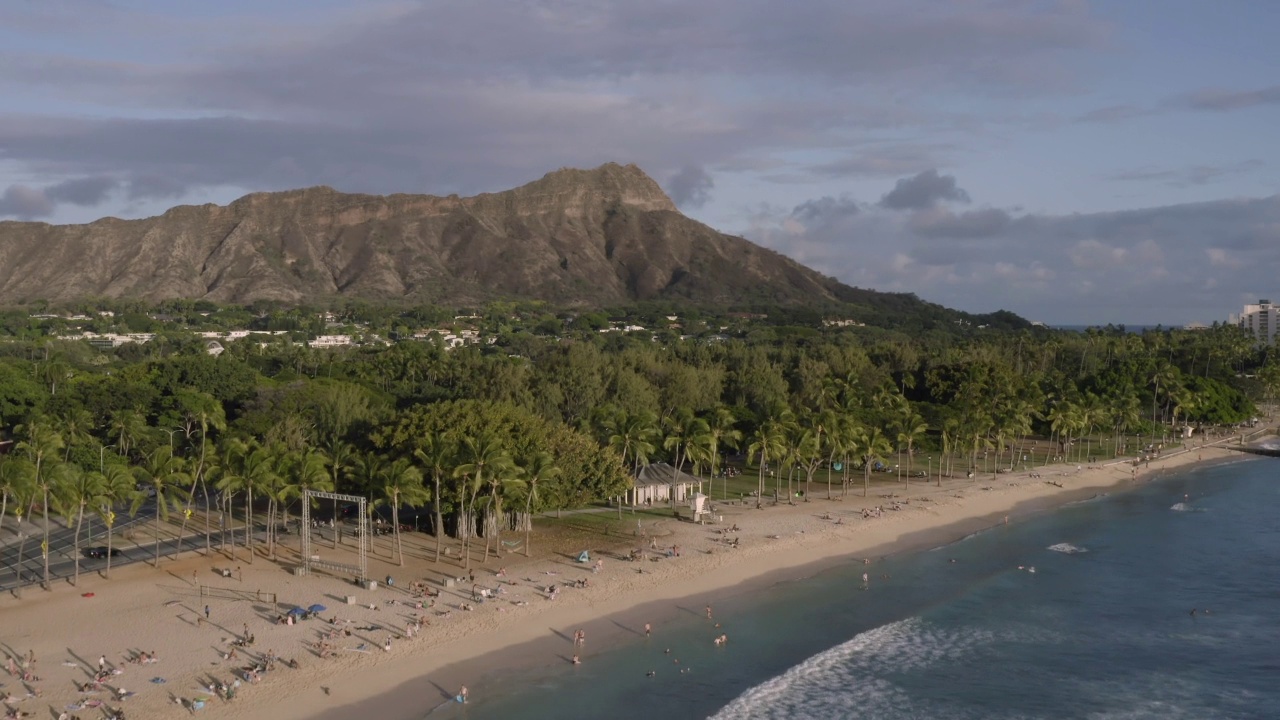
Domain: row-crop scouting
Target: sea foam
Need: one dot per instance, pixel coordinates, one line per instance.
(843, 682)
(1068, 548)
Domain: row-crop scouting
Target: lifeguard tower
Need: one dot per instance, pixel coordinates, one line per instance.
(700, 506)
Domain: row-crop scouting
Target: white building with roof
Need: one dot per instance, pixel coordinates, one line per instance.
(1261, 319)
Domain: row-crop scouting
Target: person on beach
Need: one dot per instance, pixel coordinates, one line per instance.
(648, 630)
(576, 661)
(462, 694)
(708, 612)
(206, 612)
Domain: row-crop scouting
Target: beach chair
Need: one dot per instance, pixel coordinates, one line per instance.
(584, 557)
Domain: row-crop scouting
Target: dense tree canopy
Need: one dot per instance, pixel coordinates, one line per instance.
(550, 412)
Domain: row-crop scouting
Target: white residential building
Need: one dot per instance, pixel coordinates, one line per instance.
(1262, 319)
(329, 341)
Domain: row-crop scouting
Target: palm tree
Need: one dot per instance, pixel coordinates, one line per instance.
(632, 436)
(769, 441)
(401, 484)
(76, 490)
(15, 478)
(304, 471)
(808, 449)
(1162, 374)
(41, 446)
(721, 432)
(161, 471)
(435, 452)
(203, 412)
(500, 479)
(339, 456)
(76, 425)
(911, 430)
(875, 447)
(540, 466)
(23, 490)
(16, 482)
(127, 427)
(251, 468)
(367, 471)
(681, 428)
(484, 454)
(116, 488)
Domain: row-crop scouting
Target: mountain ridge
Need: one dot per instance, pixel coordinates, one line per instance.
(597, 237)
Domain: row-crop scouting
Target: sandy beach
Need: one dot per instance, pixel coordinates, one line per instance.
(163, 611)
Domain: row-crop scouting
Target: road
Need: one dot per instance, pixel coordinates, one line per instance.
(62, 549)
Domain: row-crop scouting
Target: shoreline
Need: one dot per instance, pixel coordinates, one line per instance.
(779, 544)
(614, 621)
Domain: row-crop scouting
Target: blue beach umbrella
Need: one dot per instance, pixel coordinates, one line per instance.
(317, 609)
(296, 611)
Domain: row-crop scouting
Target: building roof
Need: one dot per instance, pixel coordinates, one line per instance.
(663, 474)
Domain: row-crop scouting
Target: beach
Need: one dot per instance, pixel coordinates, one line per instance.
(162, 611)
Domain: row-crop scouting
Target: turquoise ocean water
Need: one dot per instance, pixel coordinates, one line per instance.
(1102, 629)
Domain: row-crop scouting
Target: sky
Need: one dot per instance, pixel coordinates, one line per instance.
(1074, 162)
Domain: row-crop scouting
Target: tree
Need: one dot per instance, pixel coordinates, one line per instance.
(251, 467)
(76, 490)
(769, 441)
(339, 456)
(127, 427)
(161, 471)
(115, 488)
(41, 446)
(401, 484)
(632, 436)
(199, 412)
(912, 429)
(537, 467)
(302, 472)
(500, 479)
(22, 489)
(435, 451)
(484, 455)
(875, 447)
(721, 433)
(76, 424)
(16, 483)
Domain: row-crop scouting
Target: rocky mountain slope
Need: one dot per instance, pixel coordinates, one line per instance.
(601, 236)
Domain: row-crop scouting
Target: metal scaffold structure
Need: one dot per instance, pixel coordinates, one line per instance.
(310, 561)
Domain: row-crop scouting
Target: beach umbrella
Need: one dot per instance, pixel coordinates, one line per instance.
(296, 611)
(317, 608)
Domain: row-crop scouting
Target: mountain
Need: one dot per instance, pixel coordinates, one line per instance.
(598, 237)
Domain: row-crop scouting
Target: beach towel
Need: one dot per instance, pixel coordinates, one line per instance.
(159, 680)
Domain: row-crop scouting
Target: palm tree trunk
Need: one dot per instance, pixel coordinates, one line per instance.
(17, 568)
(528, 517)
(45, 546)
(395, 521)
(760, 491)
(497, 526)
(208, 542)
(157, 529)
(79, 524)
(248, 524)
(439, 520)
(110, 531)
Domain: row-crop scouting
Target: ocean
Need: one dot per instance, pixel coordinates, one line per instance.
(1102, 628)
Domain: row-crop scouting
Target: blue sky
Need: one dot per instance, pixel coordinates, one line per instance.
(1071, 161)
